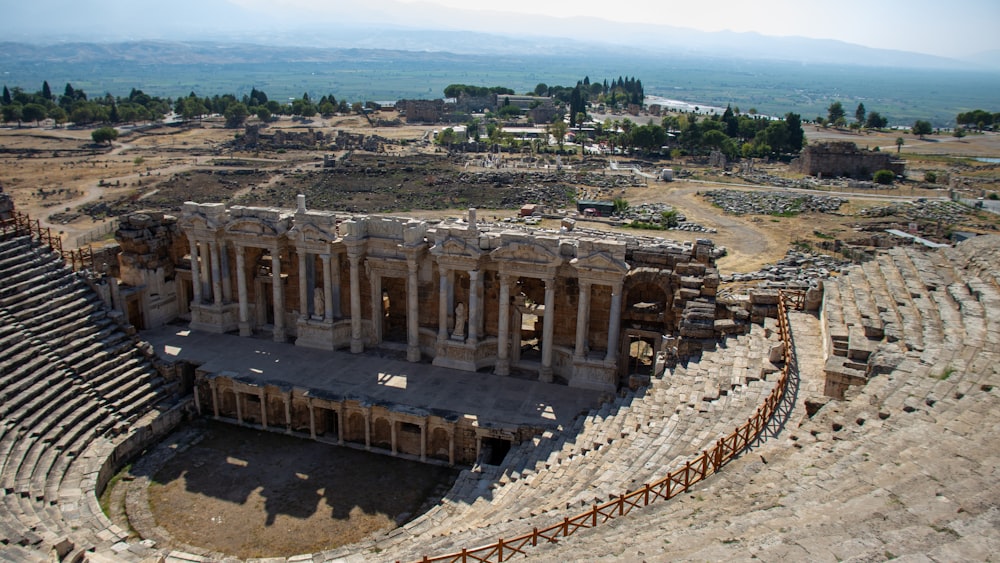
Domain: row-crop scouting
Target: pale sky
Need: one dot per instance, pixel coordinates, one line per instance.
(939, 27)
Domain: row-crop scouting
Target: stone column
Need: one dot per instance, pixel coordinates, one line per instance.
(378, 314)
(474, 309)
(227, 280)
(357, 344)
(197, 400)
(615, 322)
(451, 446)
(368, 429)
(327, 287)
(334, 297)
(288, 412)
(423, 440)
(582, 321)
(340, 425)
(312, 419)
(503, 328)
(443, 306)
(241, 292)
(412, 312)
(215, 398)
(303, 287)
(548, 324)
(195, 272)
(239, 406)
(213, 250)
(263, 408)
(279, 297)
(392, 435)
(206, 276)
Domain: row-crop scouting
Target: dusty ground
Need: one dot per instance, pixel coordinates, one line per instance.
(259, 494)
(59, 177)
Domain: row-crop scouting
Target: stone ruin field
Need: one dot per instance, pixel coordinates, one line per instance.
(884, 446)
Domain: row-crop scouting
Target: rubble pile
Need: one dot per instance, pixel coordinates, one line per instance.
(654, 213)
(795, 269)
(931, 210)
(772, 203)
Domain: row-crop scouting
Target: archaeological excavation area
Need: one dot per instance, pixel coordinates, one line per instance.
(594, 394)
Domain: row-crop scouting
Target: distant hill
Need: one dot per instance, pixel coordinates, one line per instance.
(394, 25)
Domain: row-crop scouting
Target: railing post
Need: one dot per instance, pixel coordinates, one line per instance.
(500, 549)
(621, 505)
(534, 537)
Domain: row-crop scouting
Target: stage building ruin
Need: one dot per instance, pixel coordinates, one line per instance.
(586, 309)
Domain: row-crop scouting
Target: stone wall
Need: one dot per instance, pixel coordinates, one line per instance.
(841, 158)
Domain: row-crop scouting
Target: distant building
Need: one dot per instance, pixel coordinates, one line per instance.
(844, 159)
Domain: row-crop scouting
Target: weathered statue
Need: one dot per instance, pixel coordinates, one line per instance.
(460, 315)
(319, 303)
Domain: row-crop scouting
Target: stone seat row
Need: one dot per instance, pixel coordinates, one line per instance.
(621, 445)
(70, 382)
(900, 468)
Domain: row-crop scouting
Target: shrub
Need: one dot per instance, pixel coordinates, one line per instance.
(930, 177)
(884, 177)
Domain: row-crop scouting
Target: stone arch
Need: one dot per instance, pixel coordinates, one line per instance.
(648, 300)
(355, 430)
(227, 403)
(382, 433)
(438, 444)
(275, 404)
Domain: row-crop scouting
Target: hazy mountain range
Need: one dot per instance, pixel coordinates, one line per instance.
(386, 24)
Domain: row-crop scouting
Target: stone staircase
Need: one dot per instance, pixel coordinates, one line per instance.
(73, 386)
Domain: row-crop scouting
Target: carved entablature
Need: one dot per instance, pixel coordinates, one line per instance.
(457, 253)
(203, 220)
(532, 256)
(254, 226)
(600, 267)
(314, 232)
(386, 267)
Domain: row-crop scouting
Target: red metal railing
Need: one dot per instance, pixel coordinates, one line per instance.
(22, 225)
(674, 483)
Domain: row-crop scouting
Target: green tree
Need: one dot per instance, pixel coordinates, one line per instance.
(859, 114)
(558, 130)
(921, 128)
(58, 115)
(263, 114)
(796, 136)
(541, 89)
(11, 112)
(876, 121)
(6, 96)
(899, 144)
(835, 112)
(446, 137)
(34, 112)
(884, 177)
(236, 114)
(620, 205)
(104, 135)
(46, 91)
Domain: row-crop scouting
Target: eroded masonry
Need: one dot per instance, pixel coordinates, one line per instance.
(586, 309)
